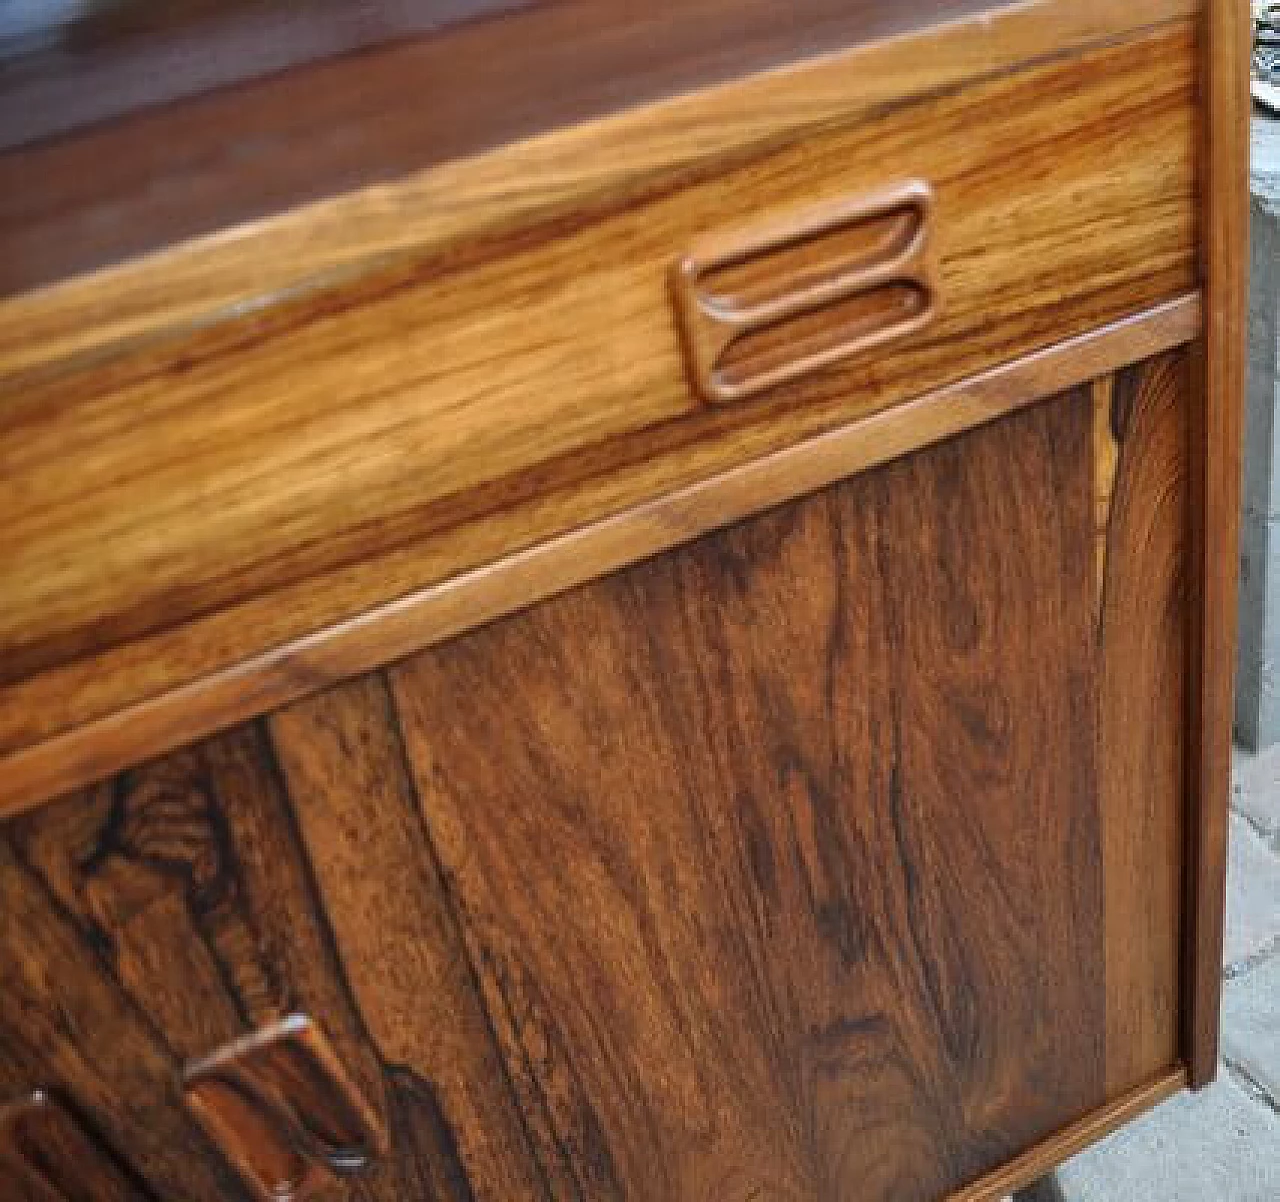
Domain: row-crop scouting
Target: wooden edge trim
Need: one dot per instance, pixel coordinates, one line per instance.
(1216, 434)
(441, 611)
(224, 275)
(1049, 1154)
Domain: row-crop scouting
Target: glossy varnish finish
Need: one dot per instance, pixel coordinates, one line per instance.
(783, 757)
(63, 67)
(73, 204)
(175, 510)
(395, 630)
(72, 1030)
(47, 1155)
(657, 889)
(180, 902)
(824, 970)
(548, 179)
(281, 1107)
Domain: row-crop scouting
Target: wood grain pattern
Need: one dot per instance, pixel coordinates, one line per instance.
(69, 1026)
(1217, 429)
(818, 795)
(1143, 704)
(788, 807)
(178, 715)
(207, 901)
(294, 444)
(68, 205)
(358, 819)
(766, 865)
(46, 1155)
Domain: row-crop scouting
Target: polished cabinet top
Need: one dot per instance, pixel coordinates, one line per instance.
(126, 125)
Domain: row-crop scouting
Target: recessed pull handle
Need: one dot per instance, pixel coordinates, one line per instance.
(284, 1111)
(767, 305)
(46, 1154)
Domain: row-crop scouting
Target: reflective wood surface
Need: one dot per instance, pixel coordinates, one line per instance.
(144, 122)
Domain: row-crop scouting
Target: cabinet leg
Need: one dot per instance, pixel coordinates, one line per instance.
(1047, 1189)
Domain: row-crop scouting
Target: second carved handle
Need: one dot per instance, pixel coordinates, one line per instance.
(284, 1111)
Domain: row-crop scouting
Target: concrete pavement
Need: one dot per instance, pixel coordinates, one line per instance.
(1222, 1145)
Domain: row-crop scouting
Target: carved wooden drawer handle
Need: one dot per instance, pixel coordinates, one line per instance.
(764, 306)
(47, 1154)
(284, 1111)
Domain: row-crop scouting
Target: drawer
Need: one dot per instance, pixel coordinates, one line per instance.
(528, 356)
(836, 854)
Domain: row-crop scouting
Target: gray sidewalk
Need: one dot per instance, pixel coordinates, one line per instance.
(1222, 1145)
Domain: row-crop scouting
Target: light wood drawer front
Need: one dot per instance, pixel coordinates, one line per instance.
(181, 507)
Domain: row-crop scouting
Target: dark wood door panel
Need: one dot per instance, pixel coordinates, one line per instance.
(404, 962)
(48, 1153)
(187, 906)
(778, 857)
(68, 1027)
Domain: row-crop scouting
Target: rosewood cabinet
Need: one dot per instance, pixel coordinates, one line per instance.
(668, 638)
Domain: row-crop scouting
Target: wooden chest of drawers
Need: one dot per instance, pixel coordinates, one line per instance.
(677, 649)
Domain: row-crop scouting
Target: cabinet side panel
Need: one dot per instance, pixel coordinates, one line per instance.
(779, 857)
(1216, 436)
